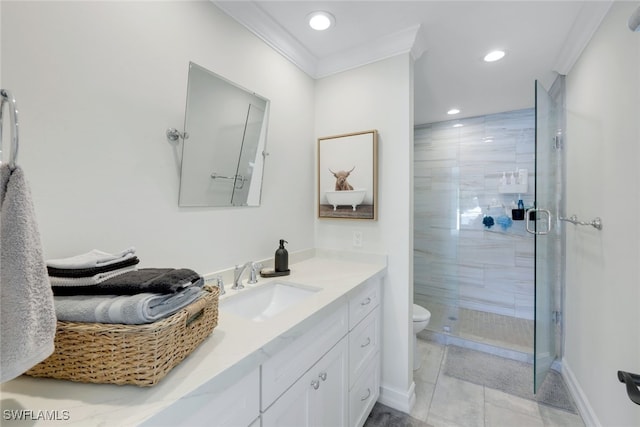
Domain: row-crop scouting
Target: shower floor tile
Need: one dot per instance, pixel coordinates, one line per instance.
(495, 329)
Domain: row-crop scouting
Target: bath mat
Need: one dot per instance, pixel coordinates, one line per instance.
(384, 416)
(510, 376)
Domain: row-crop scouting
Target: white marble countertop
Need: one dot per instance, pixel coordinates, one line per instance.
(236, 347)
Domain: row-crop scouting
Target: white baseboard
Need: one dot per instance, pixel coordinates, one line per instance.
(396, 399)
(586, 411)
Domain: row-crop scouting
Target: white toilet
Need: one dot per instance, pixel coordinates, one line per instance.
(421, 318)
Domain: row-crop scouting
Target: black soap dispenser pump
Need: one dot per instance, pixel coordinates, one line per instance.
(281, 262)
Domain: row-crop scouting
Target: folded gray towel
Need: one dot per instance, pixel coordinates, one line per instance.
(27, 317)
(92, 271)
(154, 280)
(123, 309)
(78, 282)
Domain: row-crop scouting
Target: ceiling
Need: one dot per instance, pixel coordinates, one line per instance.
(447, 39)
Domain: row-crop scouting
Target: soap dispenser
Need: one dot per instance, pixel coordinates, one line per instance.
(281, 261)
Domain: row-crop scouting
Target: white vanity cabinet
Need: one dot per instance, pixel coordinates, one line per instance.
(326, 375)
(341, 387)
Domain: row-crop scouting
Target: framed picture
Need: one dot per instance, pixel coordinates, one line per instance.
(348, 176)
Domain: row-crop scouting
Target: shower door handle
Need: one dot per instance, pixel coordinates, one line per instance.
(535, 211)
(633, 385)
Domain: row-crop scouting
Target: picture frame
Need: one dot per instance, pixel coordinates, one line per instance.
(348, 176)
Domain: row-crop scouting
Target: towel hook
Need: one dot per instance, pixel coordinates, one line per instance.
(6, 96)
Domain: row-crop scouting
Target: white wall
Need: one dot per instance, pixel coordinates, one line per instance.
(98, 83)
(602, 267)
(380, 96)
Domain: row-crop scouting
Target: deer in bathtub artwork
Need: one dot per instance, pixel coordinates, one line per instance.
(344, 193)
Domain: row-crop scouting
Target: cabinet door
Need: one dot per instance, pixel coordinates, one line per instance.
(318, 398)
(291, 363)
(330, 400)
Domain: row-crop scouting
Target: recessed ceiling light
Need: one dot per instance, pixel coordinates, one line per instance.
(453, 111)
(458, 125)
(494, 55)
(320, 20)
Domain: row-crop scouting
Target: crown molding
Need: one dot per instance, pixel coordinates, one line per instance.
(255, 19)
(260, 23)
(584, 27)
(375, 50)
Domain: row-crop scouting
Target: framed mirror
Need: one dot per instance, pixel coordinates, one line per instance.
(224, 146)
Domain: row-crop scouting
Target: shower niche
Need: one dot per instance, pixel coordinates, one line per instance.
(514, 182)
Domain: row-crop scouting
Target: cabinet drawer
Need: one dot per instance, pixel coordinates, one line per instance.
(364, 393)
(363, 302)
(237, 405)
(289, 364)
(364, 343)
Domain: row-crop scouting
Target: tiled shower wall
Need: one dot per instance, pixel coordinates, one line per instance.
(458, 261)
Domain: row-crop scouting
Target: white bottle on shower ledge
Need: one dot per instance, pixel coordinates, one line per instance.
(522, 176)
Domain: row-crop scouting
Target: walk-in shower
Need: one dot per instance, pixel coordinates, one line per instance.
(475, 263)
(477, 281)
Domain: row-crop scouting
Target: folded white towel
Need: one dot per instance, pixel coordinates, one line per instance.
(89, 281)
(94, 258)
(27, 316)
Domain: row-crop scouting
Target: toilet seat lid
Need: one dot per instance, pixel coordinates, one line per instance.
(420, 314)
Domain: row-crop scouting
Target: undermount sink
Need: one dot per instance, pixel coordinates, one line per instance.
(265, 301)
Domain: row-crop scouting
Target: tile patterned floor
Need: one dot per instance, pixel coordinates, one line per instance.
(495, 329)
(443, 401)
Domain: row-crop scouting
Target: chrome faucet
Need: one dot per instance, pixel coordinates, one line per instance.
(220, 284)
(237, 275)
(253, 273)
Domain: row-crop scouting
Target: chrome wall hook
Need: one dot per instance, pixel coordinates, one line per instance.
(174, 134)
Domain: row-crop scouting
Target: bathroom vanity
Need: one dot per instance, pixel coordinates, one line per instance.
(317, 362)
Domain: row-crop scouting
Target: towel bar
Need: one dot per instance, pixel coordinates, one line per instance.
(573, 219)
(5, 96)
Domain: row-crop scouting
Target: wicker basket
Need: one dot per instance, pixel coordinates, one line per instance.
(129, 354)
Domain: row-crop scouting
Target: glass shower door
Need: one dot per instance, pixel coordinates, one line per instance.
(542, 221)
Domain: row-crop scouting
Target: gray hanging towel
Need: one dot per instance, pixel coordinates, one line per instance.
(27, 314)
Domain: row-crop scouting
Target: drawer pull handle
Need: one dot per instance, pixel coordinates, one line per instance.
(323, 376)
(367, 396)
(366, 301)
(367, 343)
(315, 384)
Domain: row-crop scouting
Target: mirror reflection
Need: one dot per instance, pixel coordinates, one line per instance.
(223, 153)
